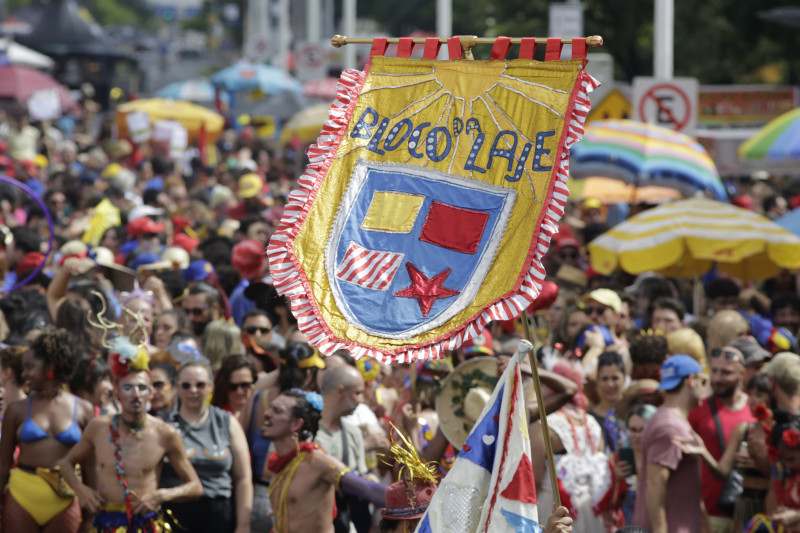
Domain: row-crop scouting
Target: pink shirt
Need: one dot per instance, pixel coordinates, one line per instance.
(683, 493)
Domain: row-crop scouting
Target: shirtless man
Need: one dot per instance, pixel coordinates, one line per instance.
(304, 476)
(128, 449)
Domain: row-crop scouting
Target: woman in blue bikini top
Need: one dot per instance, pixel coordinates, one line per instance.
(44, 427)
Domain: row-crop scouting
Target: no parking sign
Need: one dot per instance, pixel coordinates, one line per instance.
(669, 103)
(312, 61)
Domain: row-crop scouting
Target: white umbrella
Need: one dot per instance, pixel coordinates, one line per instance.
(22, 55)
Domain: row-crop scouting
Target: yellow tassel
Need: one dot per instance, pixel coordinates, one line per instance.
(405, 454)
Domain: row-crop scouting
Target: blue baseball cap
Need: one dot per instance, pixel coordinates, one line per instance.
(144, 259)
(675, 368)
(197, 270)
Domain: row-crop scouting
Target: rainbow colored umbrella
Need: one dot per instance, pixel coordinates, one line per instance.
(779, 140)
(643, 154)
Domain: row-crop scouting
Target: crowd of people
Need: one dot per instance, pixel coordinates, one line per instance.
(152, 375)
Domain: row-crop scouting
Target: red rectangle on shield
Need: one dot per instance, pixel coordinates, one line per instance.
(454, 228)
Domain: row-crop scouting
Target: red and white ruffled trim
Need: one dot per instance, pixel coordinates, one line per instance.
(291, 282)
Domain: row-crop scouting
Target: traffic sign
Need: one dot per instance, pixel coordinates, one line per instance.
(669, 103)
(311, 61)
(615, 105)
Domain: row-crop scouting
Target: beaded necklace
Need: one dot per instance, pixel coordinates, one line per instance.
(589, 440)
(119, 467)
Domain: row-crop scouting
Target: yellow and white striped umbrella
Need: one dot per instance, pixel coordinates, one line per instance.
(685, 238)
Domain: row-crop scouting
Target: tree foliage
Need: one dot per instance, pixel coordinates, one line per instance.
(716, 41)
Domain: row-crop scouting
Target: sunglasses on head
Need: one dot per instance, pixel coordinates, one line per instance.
(200, 385)
(244, 385)
(730, 355)
(251, 330)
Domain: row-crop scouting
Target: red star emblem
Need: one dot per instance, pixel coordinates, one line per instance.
(426, 290)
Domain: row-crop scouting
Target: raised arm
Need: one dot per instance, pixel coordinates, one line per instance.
(337, 474)
(83, 451)
(563, 389)
(719, 469)
(242, 477)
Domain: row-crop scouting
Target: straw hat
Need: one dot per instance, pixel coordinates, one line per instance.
(571, 277)
(640, 389)
(463, 396)
(121, 277)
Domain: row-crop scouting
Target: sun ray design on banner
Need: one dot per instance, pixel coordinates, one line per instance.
(429, 200)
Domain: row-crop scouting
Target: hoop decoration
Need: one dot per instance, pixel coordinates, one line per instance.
(50, 228)
(430, 199)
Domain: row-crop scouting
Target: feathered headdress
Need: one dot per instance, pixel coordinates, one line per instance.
(124, 356)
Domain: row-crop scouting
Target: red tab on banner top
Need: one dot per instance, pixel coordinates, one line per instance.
(553, 50)
(454, 47)
(527, 47)
(500, 48)
(379, 46)
(432, 46)
(405, 46)
(579, 48)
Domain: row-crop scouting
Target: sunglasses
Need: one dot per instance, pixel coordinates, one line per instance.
(251, 330)
(568, 255)
(196, 311)
(159, 384)
(200, 385)
(244, 385)
(590, 310)
(149, 235)
(730, 355)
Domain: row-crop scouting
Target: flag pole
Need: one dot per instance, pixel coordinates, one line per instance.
(467, 41)
(548, 446)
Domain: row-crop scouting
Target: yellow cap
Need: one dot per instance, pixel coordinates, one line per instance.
(592, 203)
(250, 185)
(111, 170)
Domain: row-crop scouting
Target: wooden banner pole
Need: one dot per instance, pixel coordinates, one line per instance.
(548, 446)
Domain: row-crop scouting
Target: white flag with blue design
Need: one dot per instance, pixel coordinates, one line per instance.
(490, 486)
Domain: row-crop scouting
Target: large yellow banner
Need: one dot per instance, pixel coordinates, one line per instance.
(429, 201)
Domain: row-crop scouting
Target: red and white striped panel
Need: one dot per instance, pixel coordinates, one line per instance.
(371, 269)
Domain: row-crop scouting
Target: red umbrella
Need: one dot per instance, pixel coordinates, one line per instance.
(19, 83)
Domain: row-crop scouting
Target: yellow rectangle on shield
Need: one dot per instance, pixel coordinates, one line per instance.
(392, 212)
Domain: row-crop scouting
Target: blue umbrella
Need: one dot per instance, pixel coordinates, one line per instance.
(791, 221)
(198, 90)
(245, 76)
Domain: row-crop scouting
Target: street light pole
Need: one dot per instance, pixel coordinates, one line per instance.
(349, 27)
(444, 22)
(663, 37)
